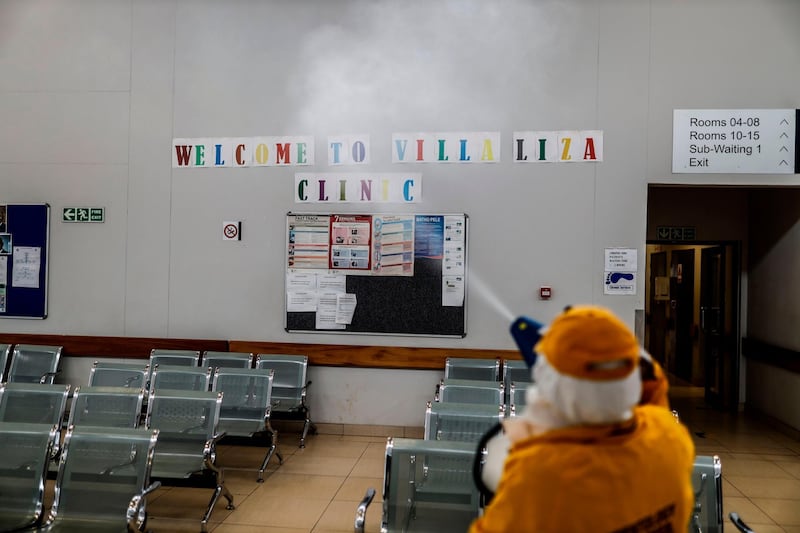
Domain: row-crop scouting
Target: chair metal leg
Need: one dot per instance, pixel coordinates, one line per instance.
(219, 489)
(306, 426)
(273, 449)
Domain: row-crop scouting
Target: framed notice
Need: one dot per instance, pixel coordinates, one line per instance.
(390, 274)
(24, 250)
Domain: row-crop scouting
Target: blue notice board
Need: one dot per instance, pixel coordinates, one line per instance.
(24, 238)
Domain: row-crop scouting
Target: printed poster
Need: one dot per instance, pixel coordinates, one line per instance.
(393, 245)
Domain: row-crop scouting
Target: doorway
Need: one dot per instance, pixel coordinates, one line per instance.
(692, 280)
(691, 324)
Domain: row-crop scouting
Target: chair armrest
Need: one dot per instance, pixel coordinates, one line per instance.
(361, 510)
(44, 378)
(153, 486)
(739, 523)
(210, 451)
(133, 516)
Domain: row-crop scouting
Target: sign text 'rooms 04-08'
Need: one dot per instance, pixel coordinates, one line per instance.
(458, 147)
(736, 141)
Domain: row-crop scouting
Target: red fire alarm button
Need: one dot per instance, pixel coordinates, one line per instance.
(545, 293)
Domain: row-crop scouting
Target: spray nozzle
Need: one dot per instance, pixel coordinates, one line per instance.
(526, 333)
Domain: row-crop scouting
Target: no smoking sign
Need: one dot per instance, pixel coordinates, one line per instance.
(232, 231)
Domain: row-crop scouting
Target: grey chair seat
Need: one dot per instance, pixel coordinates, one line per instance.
(103, 479)
(428, 487)
(176, 463)
(73, 525)
(26, 450)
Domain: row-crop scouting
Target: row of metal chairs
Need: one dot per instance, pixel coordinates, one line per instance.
(289, 385)
(482, 392)
(29, 363)
(246, 407)
(187, 424)
(102, 482)
(427, 488)
(484, 369)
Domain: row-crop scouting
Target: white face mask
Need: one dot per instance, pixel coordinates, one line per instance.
(556, 400)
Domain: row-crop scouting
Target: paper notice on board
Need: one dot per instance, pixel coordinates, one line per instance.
(27, 261)
(3, 299)
(301, 301)
(452, 291)
(326, 311)
(345, 308)
(454, 258)
(4, 270)
(332, 282)
(454, 228)
(297, 281)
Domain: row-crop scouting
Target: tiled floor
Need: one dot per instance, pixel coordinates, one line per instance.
(760, 465)
(318, 488)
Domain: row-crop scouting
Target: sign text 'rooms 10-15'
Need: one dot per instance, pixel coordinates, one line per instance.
(735, 141)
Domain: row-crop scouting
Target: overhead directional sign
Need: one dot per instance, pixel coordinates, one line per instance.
(735, 141)
(83, 214)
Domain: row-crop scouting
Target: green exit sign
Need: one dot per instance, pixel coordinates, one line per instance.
(83, 214)
(676, 233)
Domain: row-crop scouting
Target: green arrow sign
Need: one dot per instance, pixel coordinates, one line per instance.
(676, 233)
(83, 214)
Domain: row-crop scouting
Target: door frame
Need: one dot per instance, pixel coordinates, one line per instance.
(735, 295)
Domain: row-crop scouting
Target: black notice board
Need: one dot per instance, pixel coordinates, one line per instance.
(25, 232)
(397, 304)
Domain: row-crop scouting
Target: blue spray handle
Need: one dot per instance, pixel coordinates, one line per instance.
(526, 333)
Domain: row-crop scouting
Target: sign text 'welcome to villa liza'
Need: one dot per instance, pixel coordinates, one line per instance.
(453, 147)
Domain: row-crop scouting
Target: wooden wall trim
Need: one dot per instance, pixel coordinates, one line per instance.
(341, 355)
(121, 347)
(770, 354)
(346, 355)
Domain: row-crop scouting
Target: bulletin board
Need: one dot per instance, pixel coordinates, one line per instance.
(378, 274)
(24, 238)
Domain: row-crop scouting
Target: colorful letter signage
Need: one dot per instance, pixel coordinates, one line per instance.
(358, 188)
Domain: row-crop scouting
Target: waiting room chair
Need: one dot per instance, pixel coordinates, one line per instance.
(462, 422)
(34, 403)
(113, 407)
(226, 360)
(164, 356)
(427, 486)
(516, 371)
(471, 391)
(33, 363)
(174, 357)
(188, 435)
(289, 389)
(5, 355)
(103, 480)
(111, 374)
(467, 368)
(175, 377)
(26, 452)
(707, 516)
(246, 406)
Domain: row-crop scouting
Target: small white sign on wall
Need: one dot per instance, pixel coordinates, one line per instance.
(619, 275)
(232, 230)
(622, 259)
